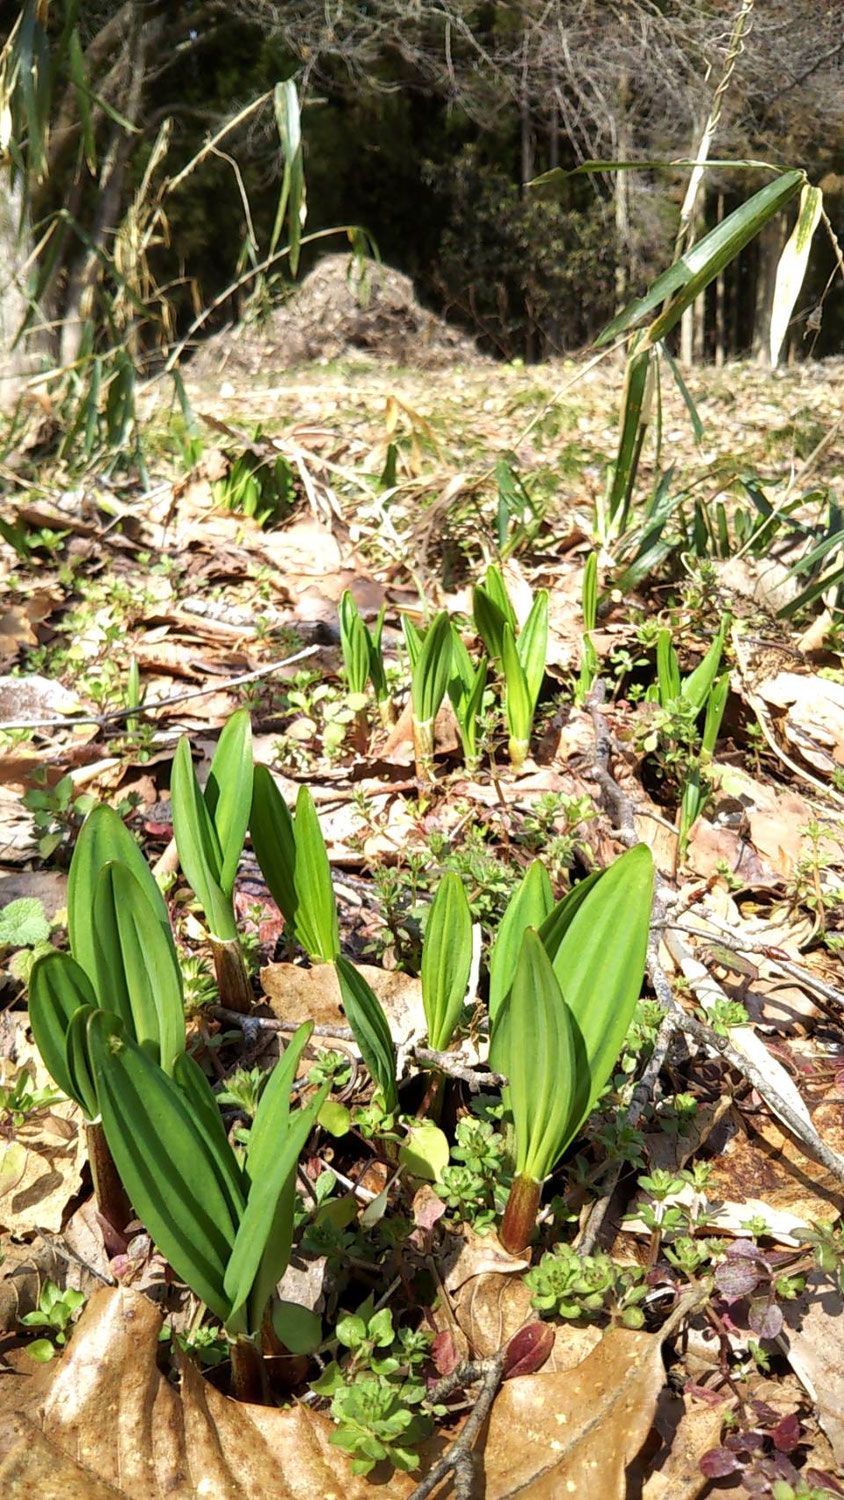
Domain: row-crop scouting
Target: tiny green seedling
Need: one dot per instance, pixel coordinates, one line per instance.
(520, 654)
(57, 1311)
(703, 690)
(588, 654)
(294, 862)
(363, 657)
(210, 828)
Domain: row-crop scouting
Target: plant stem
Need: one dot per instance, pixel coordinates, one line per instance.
(249, 1377)
(423, 748)
(519, 1220)
(518, 750)
(112, 1202)
(233, 985)
(387, 712)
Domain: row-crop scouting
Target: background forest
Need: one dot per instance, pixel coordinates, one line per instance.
(422, 122)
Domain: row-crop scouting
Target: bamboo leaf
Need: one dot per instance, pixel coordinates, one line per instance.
(792, 267)
(372, 1033)
(446, 960)
(292, 196)
(634, 407)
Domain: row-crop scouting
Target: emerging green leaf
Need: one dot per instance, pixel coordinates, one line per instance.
(58, 988)
(103, 839)
(446, 960)
(316, 909)
(372, 1033)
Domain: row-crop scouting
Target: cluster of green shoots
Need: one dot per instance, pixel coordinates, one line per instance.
(440, 666)
(109, 1019)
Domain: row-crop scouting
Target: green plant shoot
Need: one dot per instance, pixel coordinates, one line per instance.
(371, 1030)
(446, 960)
(294, 863)
(429, 683)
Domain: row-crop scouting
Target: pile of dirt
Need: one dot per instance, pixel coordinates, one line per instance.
(346, 305)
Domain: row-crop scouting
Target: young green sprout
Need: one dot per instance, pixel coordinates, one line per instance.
(466, 691)
(523, 665)
(210, 828)
(371, 1030)
(431, 671)
(702, 690)
(364, 663)
(294, 863)
(564, 1020)
(588, 654)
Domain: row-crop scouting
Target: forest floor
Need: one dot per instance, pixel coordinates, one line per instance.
(680, 1327)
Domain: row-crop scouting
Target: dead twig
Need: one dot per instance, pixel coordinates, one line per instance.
(459, 1458)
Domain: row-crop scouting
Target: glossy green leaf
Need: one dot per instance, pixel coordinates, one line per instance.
(425, 1151)
(715, 705)
(228, 793)
(58, 987)
(489, 621)
(543, 1059)
(262, 1245)
(446, 960)
(355, 644)
(79, 1061)
(432, 670)
(600, 964)
(316, 908)
(299, 1329)
(274, 842)
(166, 1162)
(137, 976)
(377, 671)
(198, 843)
(589, 592)
(103, 838)
(518, 707)
(412, 640)
(667, 669)
(499, 594)
(532, 646)
(529, 906)
(372, 1033)
(190, 1078)
(683, 282)
(696, 687)
(555, 926)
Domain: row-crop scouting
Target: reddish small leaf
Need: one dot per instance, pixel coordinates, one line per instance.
(765, 1318)
(718, 1463)
(528, 1350)
(444, 1353)
(786, 1434)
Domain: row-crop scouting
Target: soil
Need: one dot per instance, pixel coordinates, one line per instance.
(346, 305)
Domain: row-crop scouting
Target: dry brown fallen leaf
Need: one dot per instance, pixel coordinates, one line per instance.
(296, 994)
(680, 1478)
(41, 1169)
(814, 1334)
(104, 1422)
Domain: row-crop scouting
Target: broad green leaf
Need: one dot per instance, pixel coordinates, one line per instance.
(489, 620)
(228, 793)
(264, 1237)
(58, 987)
(446, 960)
(412, 640)
(555, 926)
(355, 644)
(432, 670)
(372, 1033)
(517, 701)
(528, 906)
(200, 1096)
(715, 705)
(425, 1151)
(462, 673)
(165, 1161)
(667, 669)
(137, 976)
(792, 267)
(688, 276)
(376, 658)
(316, 908)
(198, 844)
(600, 964)
(274, 842)
(696, 686)
(497, 590)
(532, 645)
(79, 1061)
(103, 838)
(299, 1329)
(543, 1059)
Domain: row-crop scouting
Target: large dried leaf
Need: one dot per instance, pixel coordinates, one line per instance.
(814, 1335)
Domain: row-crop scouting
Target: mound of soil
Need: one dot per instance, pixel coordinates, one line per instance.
(345, 306)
